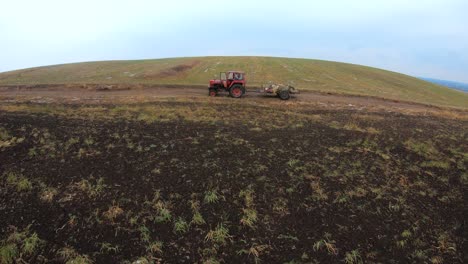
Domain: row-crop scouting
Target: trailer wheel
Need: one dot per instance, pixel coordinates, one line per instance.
(212, 92)
(284, 95)
(236, 91)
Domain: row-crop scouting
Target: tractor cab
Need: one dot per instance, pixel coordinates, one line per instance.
(227, 79)
(231, 81)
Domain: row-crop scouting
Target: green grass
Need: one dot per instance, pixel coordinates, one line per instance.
(306, 74)
(181, 226)
(220, 235)
(8, 253)
(18, 181)
(19, 244)
(211, 197)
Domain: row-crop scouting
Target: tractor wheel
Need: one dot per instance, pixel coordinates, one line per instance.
(236, 91)
(212, 92)
(284, 95)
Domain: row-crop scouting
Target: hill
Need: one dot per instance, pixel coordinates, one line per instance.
(306, 74)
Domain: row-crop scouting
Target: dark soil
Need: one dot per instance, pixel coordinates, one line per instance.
(392, 196)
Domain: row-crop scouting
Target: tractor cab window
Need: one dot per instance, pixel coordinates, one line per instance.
(235, 76)
(238, 76)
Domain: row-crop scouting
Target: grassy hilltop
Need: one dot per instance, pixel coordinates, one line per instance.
(306, 74)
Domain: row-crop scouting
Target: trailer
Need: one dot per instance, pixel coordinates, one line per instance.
(282, 91)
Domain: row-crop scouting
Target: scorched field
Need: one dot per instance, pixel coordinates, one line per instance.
(230, 181)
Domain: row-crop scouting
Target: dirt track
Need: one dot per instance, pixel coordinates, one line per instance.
(81, 95)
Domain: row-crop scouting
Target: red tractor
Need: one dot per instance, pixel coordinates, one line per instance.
(232, 81)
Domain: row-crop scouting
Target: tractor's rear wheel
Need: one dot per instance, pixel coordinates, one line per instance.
(212, 92)
(284, 95)
(236, 91)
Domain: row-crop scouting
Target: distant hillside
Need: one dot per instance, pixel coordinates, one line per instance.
(451, 84)
(306, 74)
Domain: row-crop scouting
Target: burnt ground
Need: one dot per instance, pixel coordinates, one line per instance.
(157, 183)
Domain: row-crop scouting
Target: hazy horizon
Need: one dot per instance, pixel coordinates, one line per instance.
(418, 38)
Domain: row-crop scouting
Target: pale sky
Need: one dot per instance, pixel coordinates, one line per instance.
(421, 38)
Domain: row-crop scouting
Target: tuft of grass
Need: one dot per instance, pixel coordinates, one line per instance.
(353, 257)
(144, 234)
(162, 208)
(211, 196)
(80, 259)
(23, 185)
(280, 206)
(155, 247)
(331, 248)
(11, 177)
(424, 149)
(4, 135)
(113, 212)
(6, 140)
(31, 244)
(48, 194)
(92, 190)
(72, 220)
(181, 226)
(419, 254)
(437, 260)
(164, 215)
(406, 234)
(255, 251)
(249, 218)
(249, 214)
(293, 163)
(20, 182)
(319, 193)
(219, 235)
(8, 253)
(67, 253)
(108, 248)
(197, 219)
(19, 245)
(327, 243)
(89, 141)
(248, 196)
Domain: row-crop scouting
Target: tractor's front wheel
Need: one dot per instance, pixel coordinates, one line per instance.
(212, 92)
(284, 95)
(236, 91)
